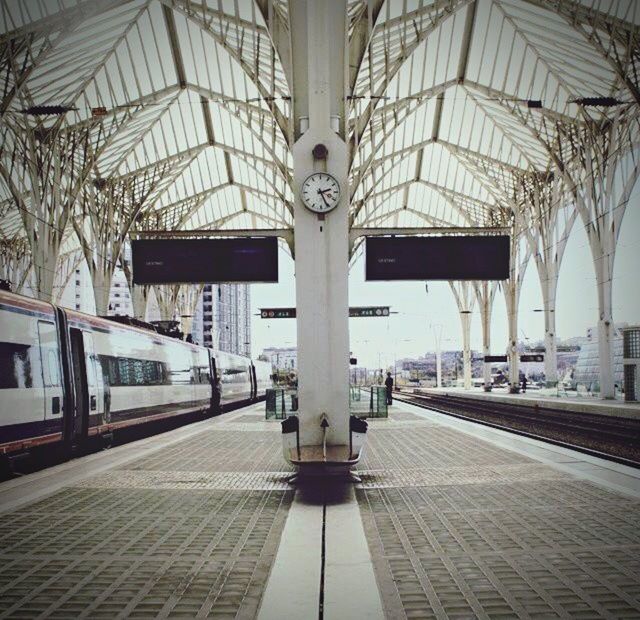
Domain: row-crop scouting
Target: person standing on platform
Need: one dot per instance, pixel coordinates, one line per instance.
(524, 384)
(389, 385)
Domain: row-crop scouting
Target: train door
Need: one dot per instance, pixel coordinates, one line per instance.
(95, 384)
(51, 370)
(80, 387)
(254, 382)
(87, 383)
(215, 385)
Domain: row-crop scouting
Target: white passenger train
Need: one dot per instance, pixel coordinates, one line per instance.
(66, 376)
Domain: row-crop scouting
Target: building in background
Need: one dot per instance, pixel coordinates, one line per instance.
(119, 296)
(285, 358)
(587, 370)
(222, 319)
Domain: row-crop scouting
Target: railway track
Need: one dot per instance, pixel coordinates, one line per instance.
(613, 438)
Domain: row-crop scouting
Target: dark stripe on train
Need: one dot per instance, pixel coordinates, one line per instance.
(30, 430)
(27, 312)
(139, 412)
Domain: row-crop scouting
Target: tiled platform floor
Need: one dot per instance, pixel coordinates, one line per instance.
(456, 527)
(461, 528)
(189, 531)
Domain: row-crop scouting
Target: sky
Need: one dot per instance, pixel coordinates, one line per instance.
(378, 342)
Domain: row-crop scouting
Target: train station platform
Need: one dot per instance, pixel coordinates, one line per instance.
(544, 398)
(451, 519)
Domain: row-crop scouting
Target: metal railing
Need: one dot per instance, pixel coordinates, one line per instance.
(364, 402)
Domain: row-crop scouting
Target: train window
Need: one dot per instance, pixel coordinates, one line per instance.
(138, 372)
(48, 337)
(52, 365)
(125, 371)
(20, 366)
(151, 372)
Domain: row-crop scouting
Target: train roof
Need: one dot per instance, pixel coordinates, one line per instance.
(28, 304)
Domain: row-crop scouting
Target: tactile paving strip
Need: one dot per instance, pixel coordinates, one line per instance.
(530, 542)
(456, 475)
(220, 449)
(189, 531)
(136, 479)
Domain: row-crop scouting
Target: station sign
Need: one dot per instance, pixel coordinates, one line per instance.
(366, 311)
(495, 358)
(277, 313)
(467, 257)
(193, 261)
(355, 312)
(535, 357)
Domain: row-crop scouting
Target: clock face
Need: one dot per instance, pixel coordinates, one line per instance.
(320, 192)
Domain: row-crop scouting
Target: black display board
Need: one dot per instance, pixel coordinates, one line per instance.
(477, 257)
(174, 261)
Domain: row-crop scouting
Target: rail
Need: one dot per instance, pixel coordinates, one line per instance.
(615, 439)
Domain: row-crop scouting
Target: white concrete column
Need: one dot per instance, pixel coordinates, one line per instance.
(139, 298)
(465, 300)
(465, 319)
(321, 242)
(485, 297)
(512, 347)
(549, 288)
(437, 332)
(166, 297)
(604, 271)
(101, 283)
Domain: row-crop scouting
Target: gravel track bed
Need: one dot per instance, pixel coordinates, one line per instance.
(616, 437)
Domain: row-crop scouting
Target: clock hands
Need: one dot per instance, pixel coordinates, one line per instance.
(322, 193)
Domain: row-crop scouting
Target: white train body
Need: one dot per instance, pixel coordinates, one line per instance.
(66, 376)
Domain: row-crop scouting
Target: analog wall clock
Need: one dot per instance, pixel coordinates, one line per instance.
(320, 192)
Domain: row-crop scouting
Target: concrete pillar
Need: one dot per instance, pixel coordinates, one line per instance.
(139, 298)
(512, 347)
(465, 320)
(166, 296)
(485, 299)
(321, 242)
(44, 271)
(101, 282)
(437, 332)
(549, 286)
(604, 272)
(465, 300)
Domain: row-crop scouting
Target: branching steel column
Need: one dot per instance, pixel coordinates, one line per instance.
(610, 161)
(108, 211)
(549, 221)
(139, 293)
(519, 258)
(485, 294)
(15, 262)
(167, 298)
(44, 170)
(186, 303)
(465, 300)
